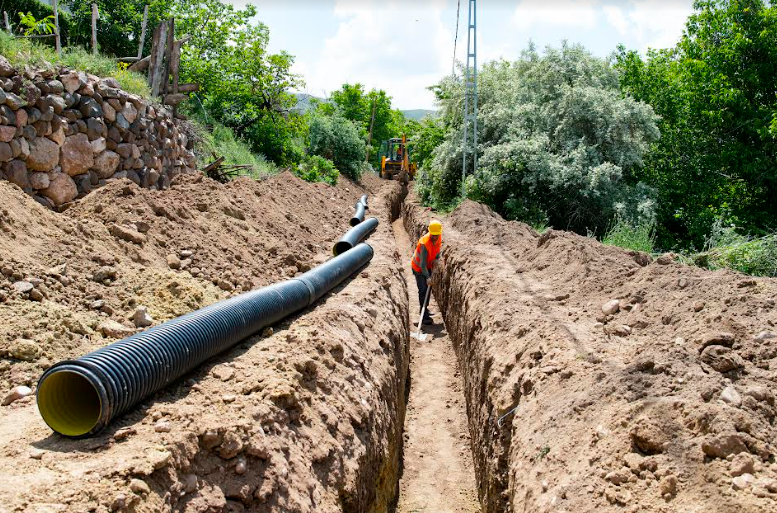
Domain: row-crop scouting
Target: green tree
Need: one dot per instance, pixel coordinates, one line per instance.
(558, 142)
(715, 93)
(356, 105)
(244, 86)
(119, 25)
(337, 139)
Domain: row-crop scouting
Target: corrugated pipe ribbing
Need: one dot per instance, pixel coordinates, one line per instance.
(78, 398)
(355, 235)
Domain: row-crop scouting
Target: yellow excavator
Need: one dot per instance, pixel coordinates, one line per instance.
(395, 161)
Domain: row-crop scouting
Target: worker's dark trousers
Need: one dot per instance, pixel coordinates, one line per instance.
(420, 280)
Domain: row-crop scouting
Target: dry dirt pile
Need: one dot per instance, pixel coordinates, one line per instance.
(306, 417)
(597, 379)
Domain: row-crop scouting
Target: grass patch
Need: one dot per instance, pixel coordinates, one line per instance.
(626, 235)
(221, 141)
(316, 169)
(26, 52)
(727, 249)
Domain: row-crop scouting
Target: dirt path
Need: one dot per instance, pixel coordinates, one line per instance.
(438, 472)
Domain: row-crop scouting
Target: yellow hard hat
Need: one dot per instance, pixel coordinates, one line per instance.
(435, 228)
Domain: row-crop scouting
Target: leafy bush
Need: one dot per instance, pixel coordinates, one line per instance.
(317, 169)
(725, 248)
(337, 139)
(715, 93)
(558, 142)
(639, 237)
(22, 52)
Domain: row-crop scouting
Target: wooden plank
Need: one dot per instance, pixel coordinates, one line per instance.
(213, 165)
(168, 56)
(141, 65)
(175, 64)
(188, 88)
(143, 32)
(158, 72)
(154, 51)
(174, 99)
(57, 39)
(94, 29)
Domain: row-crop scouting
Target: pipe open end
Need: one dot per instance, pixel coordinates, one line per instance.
(355, 221)
(341, 247)
(69, 403)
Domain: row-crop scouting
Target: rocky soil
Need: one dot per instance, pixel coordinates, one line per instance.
(305, 417)
(599, 379)
(64, 133)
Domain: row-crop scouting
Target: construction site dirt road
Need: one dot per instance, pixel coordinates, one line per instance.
(563, 375)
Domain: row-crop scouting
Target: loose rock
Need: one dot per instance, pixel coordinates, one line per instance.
(15, 394)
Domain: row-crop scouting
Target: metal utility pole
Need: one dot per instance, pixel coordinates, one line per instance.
(470, 95)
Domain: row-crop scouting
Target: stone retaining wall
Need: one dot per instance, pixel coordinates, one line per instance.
(64, 133)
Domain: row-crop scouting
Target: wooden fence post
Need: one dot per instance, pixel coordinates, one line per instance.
(94, 29)
(7, 23)
(57, 38)
(143, 32)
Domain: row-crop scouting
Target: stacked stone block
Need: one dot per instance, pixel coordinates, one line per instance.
(64, 133)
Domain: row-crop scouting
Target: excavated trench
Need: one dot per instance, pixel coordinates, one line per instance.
(337, 409)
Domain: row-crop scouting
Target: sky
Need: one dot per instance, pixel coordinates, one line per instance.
(405, 46)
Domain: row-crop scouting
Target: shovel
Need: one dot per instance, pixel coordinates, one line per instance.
(418, 335)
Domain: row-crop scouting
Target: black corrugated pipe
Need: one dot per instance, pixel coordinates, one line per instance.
(355, 235)
(78, 398)
(358, 216)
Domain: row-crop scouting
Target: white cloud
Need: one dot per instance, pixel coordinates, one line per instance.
(652, 23)
(392, 45)
(558, 13)
(615, 17)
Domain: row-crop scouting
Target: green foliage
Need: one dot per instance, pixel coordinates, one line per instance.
(355, 104)
(317, 169)
(639, 237)
(119, 24)
(23, 52)
(558, 142)
(39, 10)
(335, 138)
(242, 85)
(715, 93)
(33, 26)
(725, 248)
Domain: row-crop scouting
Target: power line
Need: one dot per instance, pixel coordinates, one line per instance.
(456, 39)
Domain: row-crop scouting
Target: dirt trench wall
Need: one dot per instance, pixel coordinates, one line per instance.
(64, 133)
(662, 404)
(453, 285)
(306, 417)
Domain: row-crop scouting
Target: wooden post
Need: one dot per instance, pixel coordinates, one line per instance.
(143, 33)
(94, 29)
(7, 23)
(157, 71)
(168, 56)
(372, 122)
(57, 39)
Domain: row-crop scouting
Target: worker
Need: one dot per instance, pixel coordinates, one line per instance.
(425, 257)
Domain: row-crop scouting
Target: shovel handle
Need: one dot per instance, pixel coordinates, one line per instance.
(423, 309)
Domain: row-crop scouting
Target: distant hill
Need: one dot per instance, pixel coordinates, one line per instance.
(418, 114)
(304, 104)
(304, 101)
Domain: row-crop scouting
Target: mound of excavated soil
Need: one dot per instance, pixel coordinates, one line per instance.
(305, 417)
(664, 403)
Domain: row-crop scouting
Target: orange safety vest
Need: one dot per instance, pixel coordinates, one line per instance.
(432, 250)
